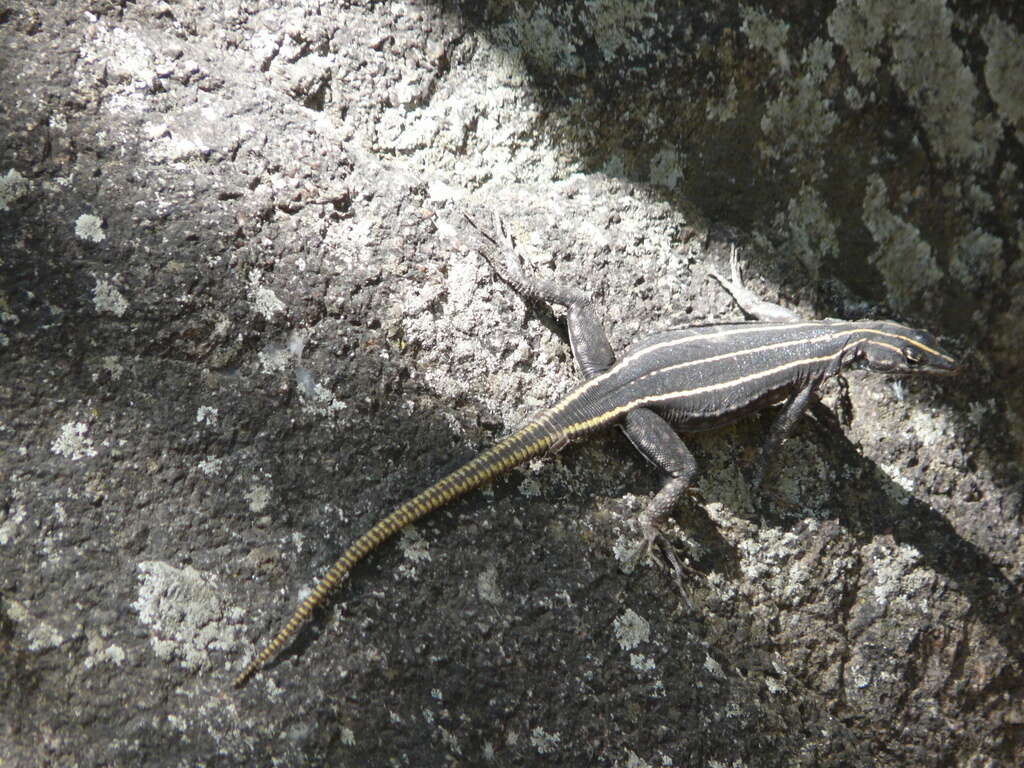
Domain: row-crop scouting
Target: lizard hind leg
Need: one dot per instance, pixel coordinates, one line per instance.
(590, 347)
(655, 438)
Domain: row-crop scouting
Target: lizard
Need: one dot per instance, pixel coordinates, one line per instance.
(683, 380)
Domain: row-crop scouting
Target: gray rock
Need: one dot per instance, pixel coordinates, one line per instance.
(241, 318)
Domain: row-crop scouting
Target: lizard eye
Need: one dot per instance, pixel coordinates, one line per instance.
(913, 356)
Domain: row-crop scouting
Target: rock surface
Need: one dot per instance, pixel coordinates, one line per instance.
(241, 317)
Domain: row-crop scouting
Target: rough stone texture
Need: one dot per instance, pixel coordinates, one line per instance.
(240, 319)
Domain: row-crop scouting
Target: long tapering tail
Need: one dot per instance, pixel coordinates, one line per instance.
(529, 441)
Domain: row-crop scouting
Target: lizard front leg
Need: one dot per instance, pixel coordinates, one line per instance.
(751, 304)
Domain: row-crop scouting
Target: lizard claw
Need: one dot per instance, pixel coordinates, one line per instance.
(669, 557)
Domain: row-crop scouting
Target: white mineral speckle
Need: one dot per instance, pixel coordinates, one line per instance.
(73, 442)
(713, 667)
(635, 761)
(211, 465)
(544, 742)
(207, 415)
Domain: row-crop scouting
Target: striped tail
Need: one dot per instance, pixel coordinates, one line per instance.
(529, 441)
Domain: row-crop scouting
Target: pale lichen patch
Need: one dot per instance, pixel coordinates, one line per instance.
(273, 358)
(724, 109)
(766, 33)
(266, 302)
(41, 634)
(904, 259)
(798, 123)
(90, 227)
(922, 53)
(9, 528)
(641, 663)
(635, 761)
(12, 186)
(665, 168)
(258, 497)
(316, 398)
(414, 547)
(102, 653)
(621, 29)
(896, 573)
(812, 233)
(1004, 71)
(112, 365)
(977, 259)
(858, 32)
(544, 41)
(107, 299)
(487, 586)
(186, 614)
(631, 629)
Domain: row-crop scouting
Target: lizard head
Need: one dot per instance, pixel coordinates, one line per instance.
(887, 347)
